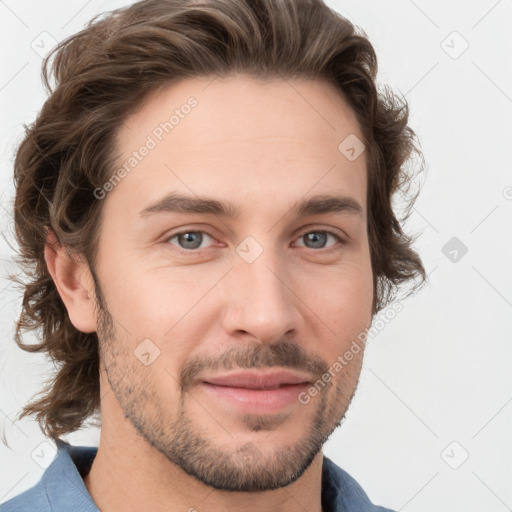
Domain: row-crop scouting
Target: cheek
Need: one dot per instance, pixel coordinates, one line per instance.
(147, 300)
(342, 306)
(341, 292)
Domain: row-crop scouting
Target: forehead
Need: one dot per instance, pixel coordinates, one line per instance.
(240, 137)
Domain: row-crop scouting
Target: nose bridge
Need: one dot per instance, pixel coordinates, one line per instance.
(260, 302)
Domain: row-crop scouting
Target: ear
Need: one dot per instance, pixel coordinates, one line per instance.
(74, 282)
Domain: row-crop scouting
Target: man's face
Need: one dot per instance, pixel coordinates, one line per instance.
(193, 296)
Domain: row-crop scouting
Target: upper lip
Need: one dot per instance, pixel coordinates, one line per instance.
(258, 379)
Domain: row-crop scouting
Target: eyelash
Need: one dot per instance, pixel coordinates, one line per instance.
(338, 237)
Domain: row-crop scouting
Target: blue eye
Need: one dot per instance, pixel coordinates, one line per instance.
(190, 239)
(318, 238)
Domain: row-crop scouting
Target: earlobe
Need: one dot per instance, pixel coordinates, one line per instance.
(74, 283)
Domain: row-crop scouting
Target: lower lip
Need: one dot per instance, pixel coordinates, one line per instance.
(257, 401)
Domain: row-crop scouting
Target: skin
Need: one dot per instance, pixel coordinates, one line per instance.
(264, 146)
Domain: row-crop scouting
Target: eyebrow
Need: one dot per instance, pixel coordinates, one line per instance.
(316, 205)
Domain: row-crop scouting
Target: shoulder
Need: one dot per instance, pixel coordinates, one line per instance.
(340, 491)
(34, 498)
(61, 487)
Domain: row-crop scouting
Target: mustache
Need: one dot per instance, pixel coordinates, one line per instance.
(282, 353)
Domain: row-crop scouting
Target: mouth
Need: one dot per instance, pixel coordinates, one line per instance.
(260, 380)
(255, 392)
(255, 388)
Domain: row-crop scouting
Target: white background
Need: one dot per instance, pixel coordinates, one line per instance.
(437, 373)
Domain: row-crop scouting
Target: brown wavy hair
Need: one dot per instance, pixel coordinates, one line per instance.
(105, 71)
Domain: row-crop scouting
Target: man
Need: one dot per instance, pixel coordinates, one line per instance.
(206, 197)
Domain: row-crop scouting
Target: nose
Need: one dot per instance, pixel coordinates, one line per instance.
(259, 300)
